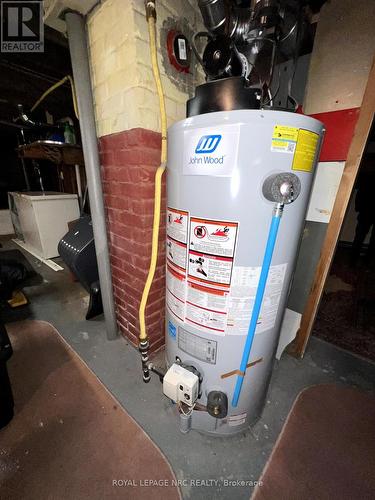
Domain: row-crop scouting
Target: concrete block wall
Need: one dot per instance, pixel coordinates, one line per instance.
(128, 125)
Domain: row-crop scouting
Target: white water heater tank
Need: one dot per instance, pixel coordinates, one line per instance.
(217, 227)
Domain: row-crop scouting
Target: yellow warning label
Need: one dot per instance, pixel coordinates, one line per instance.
(304, 155)
(284, 139)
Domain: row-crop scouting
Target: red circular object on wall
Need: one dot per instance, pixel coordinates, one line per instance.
(178, 49)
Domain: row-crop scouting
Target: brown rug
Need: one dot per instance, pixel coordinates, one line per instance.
(70, 439)
(326, 449)
(346, 315)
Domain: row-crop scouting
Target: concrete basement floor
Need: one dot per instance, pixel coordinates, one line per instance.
(193, 456)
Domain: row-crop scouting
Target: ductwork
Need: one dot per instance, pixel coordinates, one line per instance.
(222, 17)
(246, 41)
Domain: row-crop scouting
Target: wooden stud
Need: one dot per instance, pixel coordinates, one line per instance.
(298, 346)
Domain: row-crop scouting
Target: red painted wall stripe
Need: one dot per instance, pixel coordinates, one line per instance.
(340, 127)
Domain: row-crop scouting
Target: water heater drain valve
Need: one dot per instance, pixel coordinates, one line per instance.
(181, 385)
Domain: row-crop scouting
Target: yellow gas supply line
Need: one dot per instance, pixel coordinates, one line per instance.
(54, 87)
(143, 338)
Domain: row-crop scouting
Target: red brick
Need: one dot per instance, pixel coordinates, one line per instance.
(127, 157)
(105, 143)
(143, 206)
(115, 261)
(117, 141)
(116, 202)
(106, 157)
(130, 160)
(121, 302)
(116, 174)
(150, 157)
(146, 173)
(133, 330)
(157, 344)
(133, 137)
(153, 139)
(120, 189)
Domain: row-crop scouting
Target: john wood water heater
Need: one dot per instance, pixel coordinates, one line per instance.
(222, 171)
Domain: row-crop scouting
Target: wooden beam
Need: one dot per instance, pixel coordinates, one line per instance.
(298, 346)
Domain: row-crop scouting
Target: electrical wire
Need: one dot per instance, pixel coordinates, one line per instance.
(54, 87)
(272, 66)
(268, 82)
(200, 34)
(289, 33)
(189, 412)
(261, 38)
(158, 179)
(272, 96)
(295, 60)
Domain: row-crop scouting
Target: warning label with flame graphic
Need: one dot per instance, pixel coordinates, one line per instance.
(211, 251)
(213, 237)
(177, 224)
(200, 256)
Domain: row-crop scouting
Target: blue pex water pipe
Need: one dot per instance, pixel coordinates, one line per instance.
(272, 235)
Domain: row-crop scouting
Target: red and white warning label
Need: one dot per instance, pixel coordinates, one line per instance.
(204, 289)
(206, 307)
(206, 318)
(213, 237)
(207, 297)
(212, 246)
(177, 224)
(176, 292)
(176, 253)
(209, 269)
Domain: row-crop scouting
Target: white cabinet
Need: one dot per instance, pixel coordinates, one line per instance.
(42, 219)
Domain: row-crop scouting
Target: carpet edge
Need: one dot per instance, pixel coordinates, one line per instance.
(83, 362)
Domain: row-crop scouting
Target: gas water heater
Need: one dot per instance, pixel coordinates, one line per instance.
(223, 170)
(239, 176)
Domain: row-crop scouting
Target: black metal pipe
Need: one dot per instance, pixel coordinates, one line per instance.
(143, 349)
(215, 15)
(158, 372)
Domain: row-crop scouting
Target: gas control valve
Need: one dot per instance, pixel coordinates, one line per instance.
(181, 385)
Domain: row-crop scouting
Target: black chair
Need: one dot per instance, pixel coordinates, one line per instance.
(77, 250)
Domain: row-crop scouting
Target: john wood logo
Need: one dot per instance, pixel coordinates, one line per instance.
(22, 27)
(208, 143)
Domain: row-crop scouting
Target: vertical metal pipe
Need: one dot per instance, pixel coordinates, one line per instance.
(24, 169)
(81, 72)
(79, 185)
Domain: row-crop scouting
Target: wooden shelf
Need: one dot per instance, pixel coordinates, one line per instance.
(67, 154)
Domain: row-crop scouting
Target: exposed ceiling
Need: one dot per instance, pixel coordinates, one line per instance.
(54, 9)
